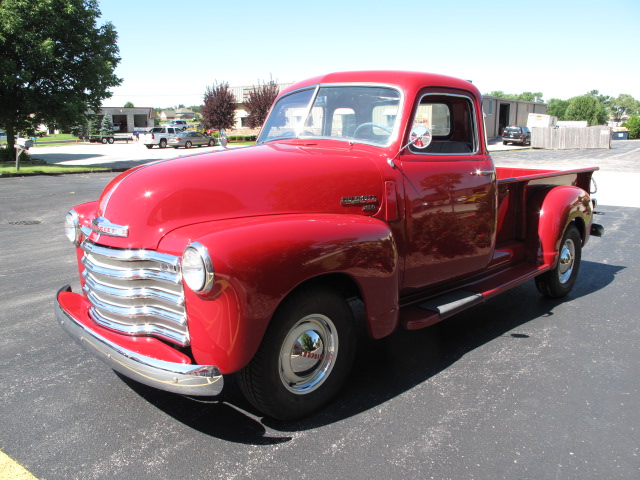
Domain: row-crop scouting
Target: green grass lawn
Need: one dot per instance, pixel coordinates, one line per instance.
(30, 169)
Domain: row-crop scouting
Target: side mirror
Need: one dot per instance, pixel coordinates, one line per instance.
(420, 137)
(222, 138)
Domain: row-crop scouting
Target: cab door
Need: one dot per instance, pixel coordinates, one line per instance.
(450, 193)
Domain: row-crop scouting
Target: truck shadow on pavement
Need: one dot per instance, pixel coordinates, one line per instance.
(384, 369)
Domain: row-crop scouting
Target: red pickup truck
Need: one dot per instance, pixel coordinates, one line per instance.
(364, 188)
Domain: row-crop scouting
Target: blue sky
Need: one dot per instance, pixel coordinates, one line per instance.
(171, 51)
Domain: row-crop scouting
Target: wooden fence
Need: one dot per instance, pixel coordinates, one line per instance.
(564, 138)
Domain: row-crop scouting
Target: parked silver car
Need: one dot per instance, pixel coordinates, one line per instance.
(190, 139)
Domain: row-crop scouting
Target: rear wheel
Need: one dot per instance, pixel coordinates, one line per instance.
(149, 146)
(305, 355)
(163, 143)
(504, 143)
(212, 142)
(104, 141)
(558, 282)
(110, 140)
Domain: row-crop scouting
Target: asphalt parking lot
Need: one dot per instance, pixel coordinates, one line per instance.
(520, 387)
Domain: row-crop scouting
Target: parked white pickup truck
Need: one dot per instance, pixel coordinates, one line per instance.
(158, 136)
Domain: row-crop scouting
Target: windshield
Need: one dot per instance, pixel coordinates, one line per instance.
(360, 114)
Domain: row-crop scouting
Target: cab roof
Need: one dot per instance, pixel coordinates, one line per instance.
(405, 80)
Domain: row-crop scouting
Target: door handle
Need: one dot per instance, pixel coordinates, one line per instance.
(483, 172)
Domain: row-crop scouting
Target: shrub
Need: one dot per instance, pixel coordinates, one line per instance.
(633, 124)
(9, 156)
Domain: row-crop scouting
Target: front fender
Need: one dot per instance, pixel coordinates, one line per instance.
(553, 210)
(258, 261)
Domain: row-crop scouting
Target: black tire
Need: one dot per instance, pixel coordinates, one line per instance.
(149, 146)
(104, 141)
(212, 142)
(187, 145)
(291, 375)
(558, 282)
(163, 143)
(110, 140)
(504, 143)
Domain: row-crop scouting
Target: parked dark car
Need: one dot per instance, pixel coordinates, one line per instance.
(190, 139)
(516, 134)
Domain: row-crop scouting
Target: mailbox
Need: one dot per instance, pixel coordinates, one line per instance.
(24, 142)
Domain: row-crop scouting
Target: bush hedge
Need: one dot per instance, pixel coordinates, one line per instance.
(242, 138)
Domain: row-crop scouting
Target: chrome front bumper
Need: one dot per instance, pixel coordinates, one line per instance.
(188, 379)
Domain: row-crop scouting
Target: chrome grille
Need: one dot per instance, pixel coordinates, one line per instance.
(135, 292)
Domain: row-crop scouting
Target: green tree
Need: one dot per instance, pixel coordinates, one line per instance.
(94, 125)
(557, 108)
(604, 99)
(259, 102)
(80, 131)
(529, 96)
(56, 63)
(633, 125)
(587, 107)
(129, 105)
(623, 104)
(106, 127)
(308, 345)
(524, 96)
(219, 108)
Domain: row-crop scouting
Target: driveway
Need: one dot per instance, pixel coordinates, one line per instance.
(519, 387)
(117, 155)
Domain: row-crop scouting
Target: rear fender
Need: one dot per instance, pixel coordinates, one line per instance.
(550, 212)
(258, 261)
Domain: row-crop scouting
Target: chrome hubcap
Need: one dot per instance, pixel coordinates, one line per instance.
(567, 256)
(308, 354)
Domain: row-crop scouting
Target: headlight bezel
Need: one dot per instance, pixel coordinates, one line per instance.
(72, 227)
(198, 276)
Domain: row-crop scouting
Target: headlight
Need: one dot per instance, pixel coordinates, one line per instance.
(72, 227)
(197, 268)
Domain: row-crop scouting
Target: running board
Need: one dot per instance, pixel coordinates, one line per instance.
(423, 314)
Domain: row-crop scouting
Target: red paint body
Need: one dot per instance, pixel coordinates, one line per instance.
(273, 217)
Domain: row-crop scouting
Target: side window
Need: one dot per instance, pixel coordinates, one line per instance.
(451, 121)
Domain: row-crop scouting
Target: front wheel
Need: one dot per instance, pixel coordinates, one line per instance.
(558, 282)
(187, 145)
(305, 355)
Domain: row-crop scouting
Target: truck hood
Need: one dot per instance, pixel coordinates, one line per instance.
(154, 199)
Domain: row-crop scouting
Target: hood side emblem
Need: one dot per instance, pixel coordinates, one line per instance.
(105, 227)
(359, 200)
(369, 203)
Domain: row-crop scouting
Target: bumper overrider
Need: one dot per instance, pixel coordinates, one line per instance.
(171, 376)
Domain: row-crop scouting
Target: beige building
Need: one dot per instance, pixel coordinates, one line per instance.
(126, 120)
(501, 112)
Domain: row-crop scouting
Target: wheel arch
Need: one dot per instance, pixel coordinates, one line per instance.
(551, 210)
(259, 263)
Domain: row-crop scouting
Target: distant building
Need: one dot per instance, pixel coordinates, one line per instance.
(126, 120)
(179, 114)
(502, 112)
